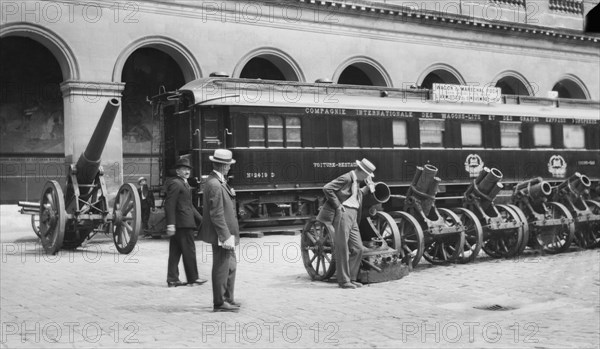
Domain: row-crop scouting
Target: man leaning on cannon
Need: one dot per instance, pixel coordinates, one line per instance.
(342, 208)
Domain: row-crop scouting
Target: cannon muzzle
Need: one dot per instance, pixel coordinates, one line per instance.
(88, 164)
(574, 186)
(485, 187)
(424, 187)
(381, 195)
(536, 190)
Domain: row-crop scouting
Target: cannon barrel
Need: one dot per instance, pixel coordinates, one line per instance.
(381, 195)
(489, 179)
(89, 161)
(576, 185)
(536, 189)
(424, 187)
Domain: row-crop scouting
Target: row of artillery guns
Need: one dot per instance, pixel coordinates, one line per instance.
(67, 219)
(536, 215)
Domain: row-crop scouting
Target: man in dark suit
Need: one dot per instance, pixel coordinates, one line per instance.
(147, 201)
(220, 229)
(343, 208)
(182, 222)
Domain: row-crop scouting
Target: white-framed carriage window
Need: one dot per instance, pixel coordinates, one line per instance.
(542, 135)
(256, 131)
(431, 131)
(275, 131)
(400, 133)
(509, 134)
(293, 131)
(470, 133)
(574, 136)
(350, 133)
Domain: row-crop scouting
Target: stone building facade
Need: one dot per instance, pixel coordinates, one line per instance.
(61, 61)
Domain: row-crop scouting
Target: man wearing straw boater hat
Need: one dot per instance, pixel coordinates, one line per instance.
(343, 205)
(182, 222)
(220, 229)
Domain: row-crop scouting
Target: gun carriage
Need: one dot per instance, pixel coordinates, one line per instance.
(574, 194)
(67, 220)
(383, 258)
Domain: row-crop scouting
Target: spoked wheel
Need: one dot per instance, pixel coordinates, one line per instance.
(556, 239)
(127, 218)
(35, 224)
(504, 243)
(383, 227)
(524, 220)
(448, 248)
(316, 244)
(411, 235)
(473, 235)
(588, 233)
(52, 217)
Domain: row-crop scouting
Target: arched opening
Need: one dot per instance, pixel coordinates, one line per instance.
(568, 88)
(268, 67)
(592, 20)
(362, 73)
(512, 86)
(32, 140)
(439, 76)
(145, 71)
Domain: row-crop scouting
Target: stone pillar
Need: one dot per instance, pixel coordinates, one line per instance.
(84, 102)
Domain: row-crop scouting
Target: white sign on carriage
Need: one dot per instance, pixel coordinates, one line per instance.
(466, 94)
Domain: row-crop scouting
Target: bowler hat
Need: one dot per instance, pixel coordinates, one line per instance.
(222, 156)
(366, 166)
(184, 162)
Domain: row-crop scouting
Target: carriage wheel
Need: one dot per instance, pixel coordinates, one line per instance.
(447, 248)
(506, 243)
(35, 224)
(411, 235)
(556, 239)
(52, 217)
(588, 233)
(317, 246)
(127, 218)
(473, 235)
(523, 217)
(383, 227)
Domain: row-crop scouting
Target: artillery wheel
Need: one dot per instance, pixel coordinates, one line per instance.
(127, 218)
(52, 217)
(448, 248)
(473, 235)
(556, 239)
(588, 233)
(383, 226)
(505, 244)
(411, 235)
(316, 244)
(35, 224)
(523, 217)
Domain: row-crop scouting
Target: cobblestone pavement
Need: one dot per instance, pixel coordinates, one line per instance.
(94, 297)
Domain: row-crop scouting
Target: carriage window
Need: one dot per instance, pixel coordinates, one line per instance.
(256, 125)
(350, 133)
(431, 132)
(470, 134)
(542, 135)
(275, 131)
(509, 134)
(293, 131)
(399, 133)
(574, 136)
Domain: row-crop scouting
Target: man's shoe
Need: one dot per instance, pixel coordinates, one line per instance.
(226, 307)
(197, 282)
(356, 283)
(347, 285)
(234, 303)
(175, 283)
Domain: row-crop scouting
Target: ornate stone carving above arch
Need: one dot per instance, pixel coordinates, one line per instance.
(184, 58)
(283, 61)
(52, 41)
(373, 69)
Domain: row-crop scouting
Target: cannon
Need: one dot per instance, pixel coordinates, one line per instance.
(68, 220)
(383, 257)
(573, 193)
(549, 225)
(437, 234)
(503, 226)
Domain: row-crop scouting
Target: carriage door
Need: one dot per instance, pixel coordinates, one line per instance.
(216, 132)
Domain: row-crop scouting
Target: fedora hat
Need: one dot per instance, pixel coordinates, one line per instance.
(222, 156)
(366, 166)
(184, 162)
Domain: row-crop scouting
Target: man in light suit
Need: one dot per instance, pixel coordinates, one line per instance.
(220, 229)
(343, 209)
(182, 222)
